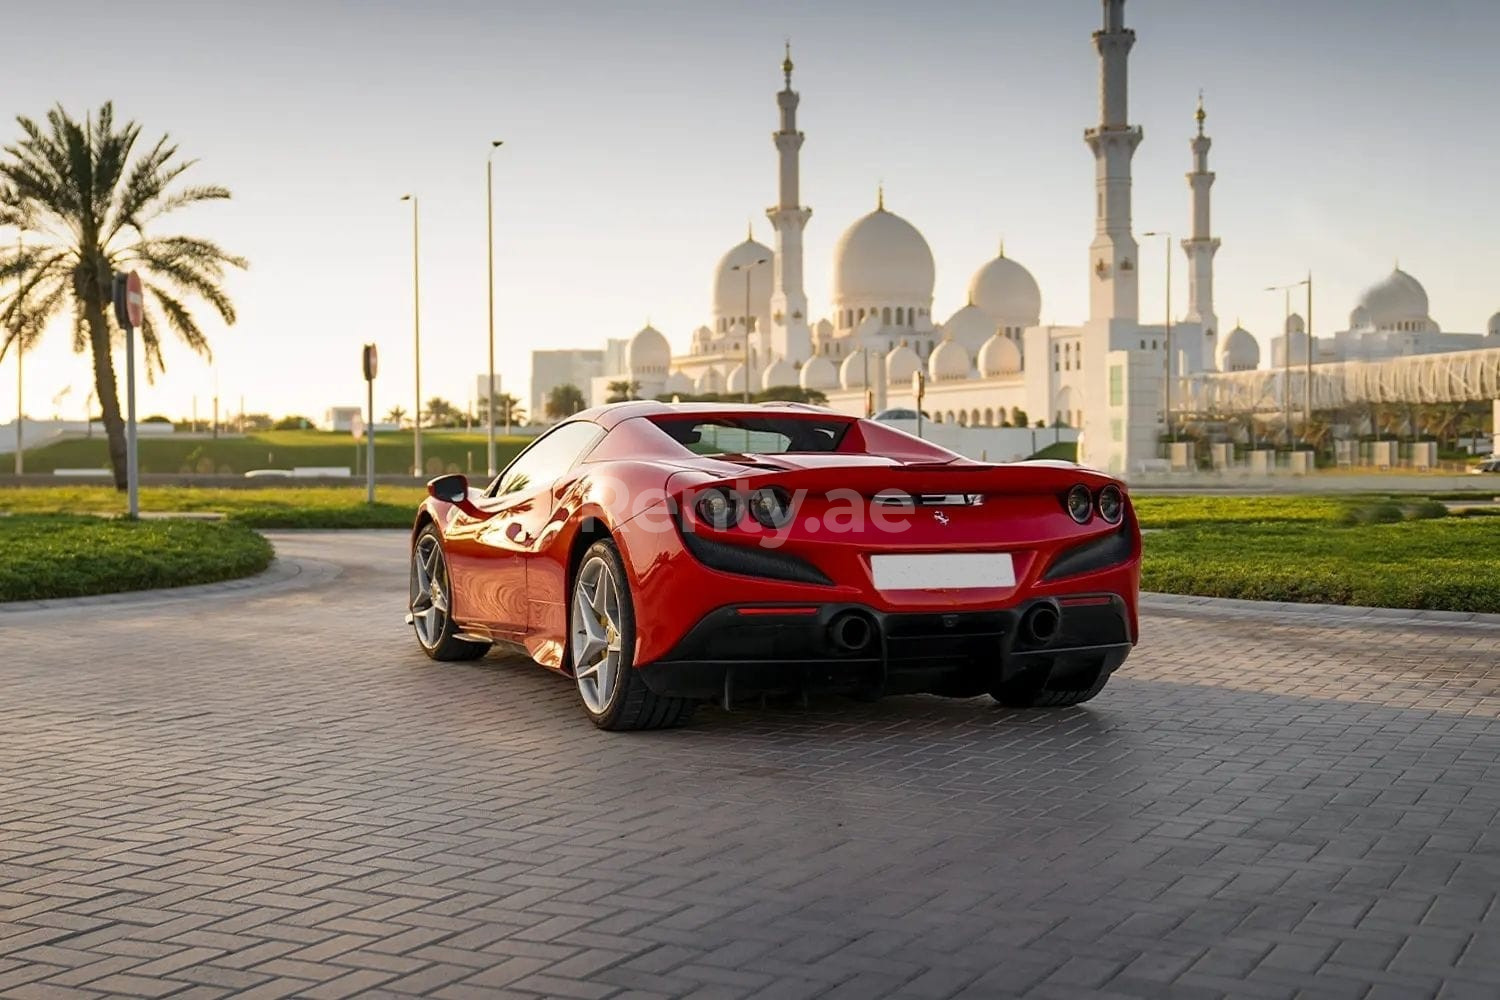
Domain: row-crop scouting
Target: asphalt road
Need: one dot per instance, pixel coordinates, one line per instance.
(272, 792)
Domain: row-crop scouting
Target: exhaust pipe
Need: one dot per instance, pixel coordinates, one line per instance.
(850, 632)
(1040, 623)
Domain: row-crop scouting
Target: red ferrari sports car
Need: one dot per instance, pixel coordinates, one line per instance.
(662, 555)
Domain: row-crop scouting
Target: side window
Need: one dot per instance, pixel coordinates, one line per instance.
(548, 457)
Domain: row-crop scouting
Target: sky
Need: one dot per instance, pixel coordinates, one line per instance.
(1348, 134)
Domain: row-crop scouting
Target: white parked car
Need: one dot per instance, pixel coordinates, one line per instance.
(1491, 464)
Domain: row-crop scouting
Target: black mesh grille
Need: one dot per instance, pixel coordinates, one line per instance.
(749, 560)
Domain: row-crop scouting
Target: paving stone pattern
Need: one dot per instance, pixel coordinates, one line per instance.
(275, 794)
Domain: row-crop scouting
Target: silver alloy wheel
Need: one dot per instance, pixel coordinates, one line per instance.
(596, 633)
(429, 601)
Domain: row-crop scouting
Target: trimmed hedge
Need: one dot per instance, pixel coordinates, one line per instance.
(49, 556)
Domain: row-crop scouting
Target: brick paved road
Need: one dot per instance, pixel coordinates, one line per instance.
(276, 794)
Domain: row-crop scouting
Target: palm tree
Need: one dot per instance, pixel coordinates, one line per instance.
(620, 391)
(508, 410)
(439, 412)
(564, 401)
(395, 415)
(85, 206)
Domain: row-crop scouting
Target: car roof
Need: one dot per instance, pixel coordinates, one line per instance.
(611, 414)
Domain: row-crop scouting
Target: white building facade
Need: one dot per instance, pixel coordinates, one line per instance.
(991, 360)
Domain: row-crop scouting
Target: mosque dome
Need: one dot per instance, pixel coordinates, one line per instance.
(1296, 324)
(1239, 352)
(901, 364)
(778, 373)
(702, 338)
(882, 258)
(949, 361)
(852, 371)
(678, 382)
(971, 326)
(999, 356)
(709, 381)
(736, 380)
(1493, 326)
(1397, 298)
(1008, 292)
(729, 284)
(648, 352)
(819, 373)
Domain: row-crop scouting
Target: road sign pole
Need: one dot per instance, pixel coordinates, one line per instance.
(130, 306)
(132, 469)
(370, 441)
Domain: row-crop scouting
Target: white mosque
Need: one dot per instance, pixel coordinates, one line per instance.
(992, 356)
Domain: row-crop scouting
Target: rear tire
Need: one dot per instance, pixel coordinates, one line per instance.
(601, 646)
(430, 602)
(1032, 691)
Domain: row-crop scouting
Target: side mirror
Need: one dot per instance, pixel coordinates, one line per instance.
(453, 488)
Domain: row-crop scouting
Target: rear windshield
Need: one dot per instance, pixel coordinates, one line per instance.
(753, 435)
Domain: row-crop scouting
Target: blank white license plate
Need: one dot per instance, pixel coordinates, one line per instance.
(943, 571)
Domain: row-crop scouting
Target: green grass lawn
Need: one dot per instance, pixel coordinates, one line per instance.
(442, 451)
(1291, 548)
(54, 555)
(272, 507)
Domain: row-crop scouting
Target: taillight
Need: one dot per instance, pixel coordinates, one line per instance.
(771, 507)
(1080, 504)
(718, 508)
(1111, 504)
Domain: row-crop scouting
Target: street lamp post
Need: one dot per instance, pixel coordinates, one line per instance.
(416, 319)
(1307, 423)
(1286, 357)
(489, 405)
(747, 268)
(1167, 340)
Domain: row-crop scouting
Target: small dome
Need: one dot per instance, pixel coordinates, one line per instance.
(702, 338)
(729, 284)
(901, 364)
(1396, 298)
(1493, 327)
(882, 258)
(971, 326)
(823, 330)
(711, 380)
(1008, 292)
(819, 373)
(1239, 352)
(736, 380)
(648, 352)
(778, 373)
(1295, 324)
(999, 356)
(949, 361)
(678, 382)
(852, 371)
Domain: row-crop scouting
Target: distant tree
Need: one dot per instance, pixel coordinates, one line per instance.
(396, 415)
(85, 200)
(1018, 417)
(256, 421)
(564, 401)
(1041, 423)
(440, 413)
(508, 410)
(624, 390)
(291, 423)
(157, 418)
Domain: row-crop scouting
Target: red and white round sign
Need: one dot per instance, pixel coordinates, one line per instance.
(135, 299)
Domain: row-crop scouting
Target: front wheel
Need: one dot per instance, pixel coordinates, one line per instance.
(601, 642)
(430, 602)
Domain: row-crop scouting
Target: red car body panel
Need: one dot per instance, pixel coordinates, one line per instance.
(511, 556)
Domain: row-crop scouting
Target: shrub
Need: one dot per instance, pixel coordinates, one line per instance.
(1428, 510)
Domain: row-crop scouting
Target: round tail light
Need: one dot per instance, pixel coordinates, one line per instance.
(771, 507)
(1080, 504)
(1111, 504)
(718, 508)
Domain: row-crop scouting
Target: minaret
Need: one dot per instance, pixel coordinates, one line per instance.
(791, 336)
(1200, 248)
(1113, 256)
